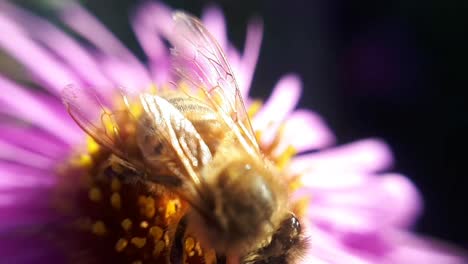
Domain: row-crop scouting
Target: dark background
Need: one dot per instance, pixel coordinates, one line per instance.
(388, 69)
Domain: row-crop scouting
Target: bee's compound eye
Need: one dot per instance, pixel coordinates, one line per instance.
(289, 231)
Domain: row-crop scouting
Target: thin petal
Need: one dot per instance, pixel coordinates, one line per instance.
(213, 20)
(96, 33)
(305, 130)
(10, 152)
(367, 155)
(65, 47)
(34, 140)
(412, 249)
(22, 104)
(359, 209)
(249, 60)
(18, 176)
(146, 22)
(36, 58)
(280, 104)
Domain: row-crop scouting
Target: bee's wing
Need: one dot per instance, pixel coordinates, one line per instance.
(97, 117)
(107, 124)
(199, 60)
(178, 136)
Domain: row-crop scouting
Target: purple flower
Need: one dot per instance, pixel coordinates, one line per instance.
(49, 170)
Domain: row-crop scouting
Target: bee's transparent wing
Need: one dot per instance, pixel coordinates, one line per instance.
(97, 117)
(176, 133)
(199, 60)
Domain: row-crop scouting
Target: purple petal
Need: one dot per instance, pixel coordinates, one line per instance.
(33, 140)
(10, 152)
(146, 22)
(61, 44)
(92, 30)
(213, 20)
(22, 104)
(18, 176)
(250, 56)
(280, 104)
(359, 209)
(305, 130)
(37, 59)
(412, 249)
(367, 155)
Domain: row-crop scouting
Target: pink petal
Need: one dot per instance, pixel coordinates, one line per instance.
(19, 102)
(10, 152)
(91, 29)
(280, 104)
(359, 209)
(213, 20)
(36, 58)
(412, 249)
(146, 22)
(18, 176)
(249, 60)
(32, 139)
(367, 155)
(305, 130)
(61, 44)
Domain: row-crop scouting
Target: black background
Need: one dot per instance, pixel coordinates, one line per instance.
(388, 69)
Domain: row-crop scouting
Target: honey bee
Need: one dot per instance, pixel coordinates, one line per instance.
(199, 143)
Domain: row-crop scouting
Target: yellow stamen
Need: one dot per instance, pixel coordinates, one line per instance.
(158, 248)
(284, 158)
(91, 145)
(115, 200)
(99, 228)
(126, 224)
(121, 245)
(254, 108)
(156, 232)
(144, 224)
(138, 242)
(95, 194)
(115, 185)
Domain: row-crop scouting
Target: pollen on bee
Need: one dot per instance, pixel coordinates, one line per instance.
(198, 249)
(115, 200)
(99, 228)
(121, 244)
(94, 194)
(126, 224)
(172, 207)
(138, 242)
(189, 246)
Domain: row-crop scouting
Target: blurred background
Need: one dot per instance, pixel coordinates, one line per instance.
(388, 69)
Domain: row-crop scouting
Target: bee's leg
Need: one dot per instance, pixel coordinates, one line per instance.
(177, 248)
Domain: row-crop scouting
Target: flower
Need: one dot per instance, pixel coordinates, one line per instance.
(54, 185)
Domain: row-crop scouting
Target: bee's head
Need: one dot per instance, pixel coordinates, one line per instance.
(287, 244)
(244, 206)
